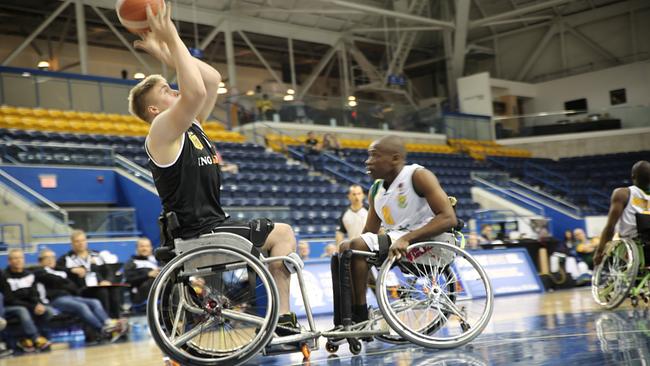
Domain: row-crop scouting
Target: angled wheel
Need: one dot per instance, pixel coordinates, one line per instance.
(614, 277)
(213, 305)
(433, 308)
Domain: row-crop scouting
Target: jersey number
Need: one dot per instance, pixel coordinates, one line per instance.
(388, 218)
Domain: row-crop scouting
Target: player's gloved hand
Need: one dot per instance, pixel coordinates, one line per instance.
(398, 248)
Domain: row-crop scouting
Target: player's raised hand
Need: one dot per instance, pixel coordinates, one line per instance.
(161, 23)
(154, 46)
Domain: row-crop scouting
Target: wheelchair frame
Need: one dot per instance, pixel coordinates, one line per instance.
(308, 339)
(639, 286)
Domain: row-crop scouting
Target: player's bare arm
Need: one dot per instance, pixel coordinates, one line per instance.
(168, 127)
(426, 184)
(619, 199)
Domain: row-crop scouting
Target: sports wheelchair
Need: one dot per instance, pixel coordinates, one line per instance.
(216, 302)
(624, 272)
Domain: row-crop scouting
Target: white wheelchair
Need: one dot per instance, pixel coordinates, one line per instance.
(216, 303)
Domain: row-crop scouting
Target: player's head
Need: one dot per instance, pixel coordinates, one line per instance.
(355, 194)
(386, 156)
(150, 97)
(641, 175)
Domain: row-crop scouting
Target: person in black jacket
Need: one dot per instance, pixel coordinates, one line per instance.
(63, 294)
(141, 270)
(22, 300)
(90, 274)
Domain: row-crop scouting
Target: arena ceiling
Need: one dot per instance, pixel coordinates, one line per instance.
(405, 36)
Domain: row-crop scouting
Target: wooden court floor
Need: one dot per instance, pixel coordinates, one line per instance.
(506, 323)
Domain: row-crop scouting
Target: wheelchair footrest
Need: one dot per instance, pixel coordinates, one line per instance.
(293, 347)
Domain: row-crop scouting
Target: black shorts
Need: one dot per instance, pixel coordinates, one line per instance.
(256, 230)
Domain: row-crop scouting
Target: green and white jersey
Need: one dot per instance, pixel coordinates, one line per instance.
(399, 207)
(638, 202)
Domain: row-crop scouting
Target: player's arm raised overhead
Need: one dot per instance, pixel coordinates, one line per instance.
(168, 127)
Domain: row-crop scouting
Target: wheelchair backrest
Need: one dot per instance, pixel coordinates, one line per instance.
(643, 226)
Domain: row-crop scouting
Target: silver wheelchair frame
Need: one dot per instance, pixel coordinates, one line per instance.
(307, 340)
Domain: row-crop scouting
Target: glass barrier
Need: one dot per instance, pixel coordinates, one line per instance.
(334, 111)
(563, 122)
(35, 221)
(20, 152)
(103, 221)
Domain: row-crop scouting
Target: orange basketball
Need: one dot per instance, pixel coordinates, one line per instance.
(133, 13)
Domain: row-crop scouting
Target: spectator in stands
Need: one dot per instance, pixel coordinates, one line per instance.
(329, 250)
(331, 144)
(23, 301)
(473, 241)
(312, 148)
(4, 351)
(90, 273)
(584, 247)
(487, 234)
(141, 270)
(265, 108)
(231, 168)
(353, 218)
(63, 295)
(303, 250)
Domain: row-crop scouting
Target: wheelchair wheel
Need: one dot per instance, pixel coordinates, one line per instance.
(213, 305)
(616, 274)
(432, 307)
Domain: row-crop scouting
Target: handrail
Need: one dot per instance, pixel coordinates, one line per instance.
(57, 144)
(507, 193)
(545, 194)
(341, 161)
(128, 164)
(35, 194)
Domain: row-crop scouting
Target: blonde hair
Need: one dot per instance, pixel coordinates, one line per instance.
(44, 251)
(138, 96)
(75, 233)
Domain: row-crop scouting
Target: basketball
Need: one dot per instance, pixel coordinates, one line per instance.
(133, 13)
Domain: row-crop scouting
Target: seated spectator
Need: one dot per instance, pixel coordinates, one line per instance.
(584, 247)
(91, 274)
(329, 251)
(4, 351)
(24, 303)
(265, 108)
(141, 270)
(63, 295)
(312, 147)
(487, 234)
(473, 241)
(331, 144)
(303, 250)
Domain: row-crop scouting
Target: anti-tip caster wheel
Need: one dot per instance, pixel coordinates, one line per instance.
(331, 347)
(355, 346)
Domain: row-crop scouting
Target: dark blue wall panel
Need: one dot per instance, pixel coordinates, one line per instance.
(74, 185)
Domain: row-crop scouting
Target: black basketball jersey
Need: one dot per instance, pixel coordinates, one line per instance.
(190, 186)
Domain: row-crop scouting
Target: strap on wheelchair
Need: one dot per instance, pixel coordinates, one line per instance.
(169, 228)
